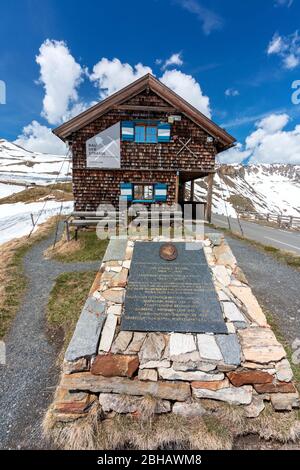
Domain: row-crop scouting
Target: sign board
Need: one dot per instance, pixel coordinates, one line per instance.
(171, 294)
(103, 149)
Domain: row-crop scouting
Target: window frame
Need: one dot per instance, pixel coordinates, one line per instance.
(145, 126)
(143, 199)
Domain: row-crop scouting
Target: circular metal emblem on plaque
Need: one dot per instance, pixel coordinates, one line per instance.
(168, 251)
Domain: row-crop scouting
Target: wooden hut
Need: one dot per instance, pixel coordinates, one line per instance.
(142, 144)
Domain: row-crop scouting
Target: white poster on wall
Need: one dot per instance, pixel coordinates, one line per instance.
(103, 149)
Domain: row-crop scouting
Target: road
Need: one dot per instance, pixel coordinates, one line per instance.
(278, 238)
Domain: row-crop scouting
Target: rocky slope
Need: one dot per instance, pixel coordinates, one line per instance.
(261, 188)
(20, 165)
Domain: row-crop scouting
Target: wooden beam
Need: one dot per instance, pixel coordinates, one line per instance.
(192, 190)
(134, 107)
(210, 180)
(177, 189)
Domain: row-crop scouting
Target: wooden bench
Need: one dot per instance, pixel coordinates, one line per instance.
(85, 219)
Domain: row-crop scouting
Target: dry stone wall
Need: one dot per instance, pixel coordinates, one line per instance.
(245, 367)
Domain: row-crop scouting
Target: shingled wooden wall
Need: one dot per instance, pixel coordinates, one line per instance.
(139, 162)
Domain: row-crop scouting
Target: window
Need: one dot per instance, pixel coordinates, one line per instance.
(143, 192)
(145, 133)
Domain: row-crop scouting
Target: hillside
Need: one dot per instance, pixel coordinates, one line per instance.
(32, 187)
(19, 165)
(26, 180)
(261, 188)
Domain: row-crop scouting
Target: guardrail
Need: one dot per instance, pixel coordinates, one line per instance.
(281, 220)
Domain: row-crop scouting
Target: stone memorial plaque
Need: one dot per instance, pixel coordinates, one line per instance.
(171, 295)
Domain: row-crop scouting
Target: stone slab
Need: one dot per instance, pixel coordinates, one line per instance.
(232, 395)
(111, 365)
(177, 391)
(254, 311)
(108, 332)
(181, 344)
(174, 296)
(260, 345)
(129, 404)
(87, 332)
(115, 250)
(232, 313)
(230, 348)
(189, 376)
(188, 410)
(208, 348)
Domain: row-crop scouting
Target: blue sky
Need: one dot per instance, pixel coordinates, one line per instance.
(249, 48)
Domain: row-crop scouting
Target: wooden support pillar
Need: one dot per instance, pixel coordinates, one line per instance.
(183, 192)
(192, 191)
(177, 195)
(210, 180)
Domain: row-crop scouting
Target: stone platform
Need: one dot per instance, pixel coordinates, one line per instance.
(245, 366)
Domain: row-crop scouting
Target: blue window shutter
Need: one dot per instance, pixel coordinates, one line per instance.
(151, 134)
(164, 132)
(128, 131)
(126, 191)
(139, 134)
(161, 192)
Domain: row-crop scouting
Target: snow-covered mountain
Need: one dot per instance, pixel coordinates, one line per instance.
(269, 188)
(20, 165)
(20, 169)
(262, 188)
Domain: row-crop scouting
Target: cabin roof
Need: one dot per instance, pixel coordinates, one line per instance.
(148, 81)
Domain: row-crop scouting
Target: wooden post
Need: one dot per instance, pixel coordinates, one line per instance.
(177, 189)
(183, 192)
(67, 230)
(32, 219)
(192, 191)
(210, 180)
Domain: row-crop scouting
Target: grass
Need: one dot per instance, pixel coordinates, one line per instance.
(66, 301)
(287, 257)
(88, 247)
(218, 429)
(13, 281)
(59, 192)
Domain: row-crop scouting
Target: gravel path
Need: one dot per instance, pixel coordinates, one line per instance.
(275, 285)
(28, 380)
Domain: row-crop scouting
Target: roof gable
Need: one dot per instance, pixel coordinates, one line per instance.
(148, 81)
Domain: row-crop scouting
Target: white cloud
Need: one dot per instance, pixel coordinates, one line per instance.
(234, 155)
(283, 3)
(232, 92)
(273, 123)
(276, 45)
(287, 48)
(61, 76)
(269, 143)
(187, 87)
(174, 59)
(112, 75)
(38, 138)
(209, 19)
